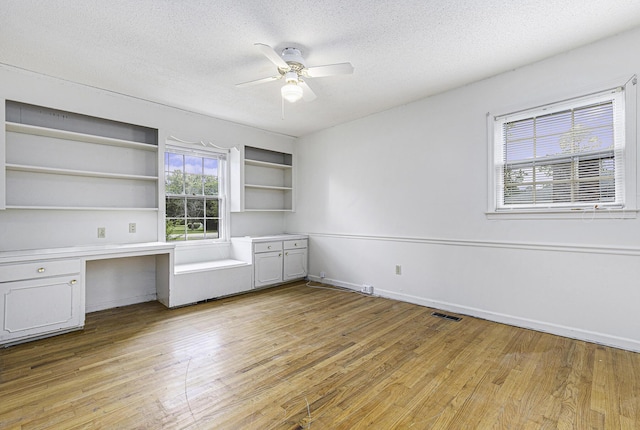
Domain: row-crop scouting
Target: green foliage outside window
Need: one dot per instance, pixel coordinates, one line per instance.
(192, 200)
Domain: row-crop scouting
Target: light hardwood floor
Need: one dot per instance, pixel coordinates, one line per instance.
(293, 357)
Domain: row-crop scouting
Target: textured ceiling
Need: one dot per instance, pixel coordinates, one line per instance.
(190, 53)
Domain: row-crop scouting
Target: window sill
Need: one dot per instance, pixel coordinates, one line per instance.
(200, 242)
(581, 214)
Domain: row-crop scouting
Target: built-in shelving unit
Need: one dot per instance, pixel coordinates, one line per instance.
(264, 181)
(65, 161)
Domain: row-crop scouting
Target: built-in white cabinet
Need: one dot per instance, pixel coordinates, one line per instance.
(294, 265)
(268, 263)
(40, 298)
(275, 259)
(261, 180)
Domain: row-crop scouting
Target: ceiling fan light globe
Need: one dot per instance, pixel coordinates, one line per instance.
(291, 92)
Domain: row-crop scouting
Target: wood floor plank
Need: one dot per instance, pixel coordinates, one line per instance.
(293, 357)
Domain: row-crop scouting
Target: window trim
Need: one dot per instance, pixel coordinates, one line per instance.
(630, 161)
(224, 213)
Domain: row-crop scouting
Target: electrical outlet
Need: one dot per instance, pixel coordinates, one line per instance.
(398, 269)
(102, 232)
(132, 227)
(366, 289)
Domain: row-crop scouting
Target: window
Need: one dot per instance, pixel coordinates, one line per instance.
(194, 192)
(565, 156)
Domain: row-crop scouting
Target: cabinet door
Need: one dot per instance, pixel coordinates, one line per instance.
(295, 264)
(40, 306)
(268, 268)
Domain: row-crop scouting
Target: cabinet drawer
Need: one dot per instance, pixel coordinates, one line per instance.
(268, 246)
(294, 244)
(42, 269)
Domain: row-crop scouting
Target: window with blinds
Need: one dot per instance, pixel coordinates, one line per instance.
(566, 155)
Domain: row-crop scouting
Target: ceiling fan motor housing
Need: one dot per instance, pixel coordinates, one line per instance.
(293, 57)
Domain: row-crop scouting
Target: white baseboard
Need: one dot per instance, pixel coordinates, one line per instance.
(120, 302)
(560, 330)
(334, 282)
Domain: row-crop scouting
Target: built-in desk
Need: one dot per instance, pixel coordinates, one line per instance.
(42, 292)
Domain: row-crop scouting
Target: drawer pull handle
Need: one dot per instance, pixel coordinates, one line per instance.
(280, 255)
(40, 269)
(295, 244)
(286, 253)
(269, 247)
(73, 282)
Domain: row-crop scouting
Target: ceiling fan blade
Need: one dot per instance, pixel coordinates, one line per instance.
(307, 93)
(272, 55)
(329, 70)
(258, 81)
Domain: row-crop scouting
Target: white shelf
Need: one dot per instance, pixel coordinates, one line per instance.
(268, 210)
(268, 187)
(267, 164)
(72, 172)
(79, 208)
(79, 137)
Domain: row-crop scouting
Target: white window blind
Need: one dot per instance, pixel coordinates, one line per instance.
(569, 154)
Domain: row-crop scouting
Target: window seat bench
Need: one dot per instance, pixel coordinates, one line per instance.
(204, 266)
(207, 272)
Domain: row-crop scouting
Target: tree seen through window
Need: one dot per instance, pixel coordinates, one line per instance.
(560, 158)
(192, 197)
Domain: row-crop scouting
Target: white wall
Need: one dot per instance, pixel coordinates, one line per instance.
(409, 186)
(256, 223)
(34, 229)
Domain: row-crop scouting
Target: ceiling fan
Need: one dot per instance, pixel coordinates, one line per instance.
(293, 69)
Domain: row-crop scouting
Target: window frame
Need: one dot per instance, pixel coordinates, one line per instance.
(628, 159)
(224, 213)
